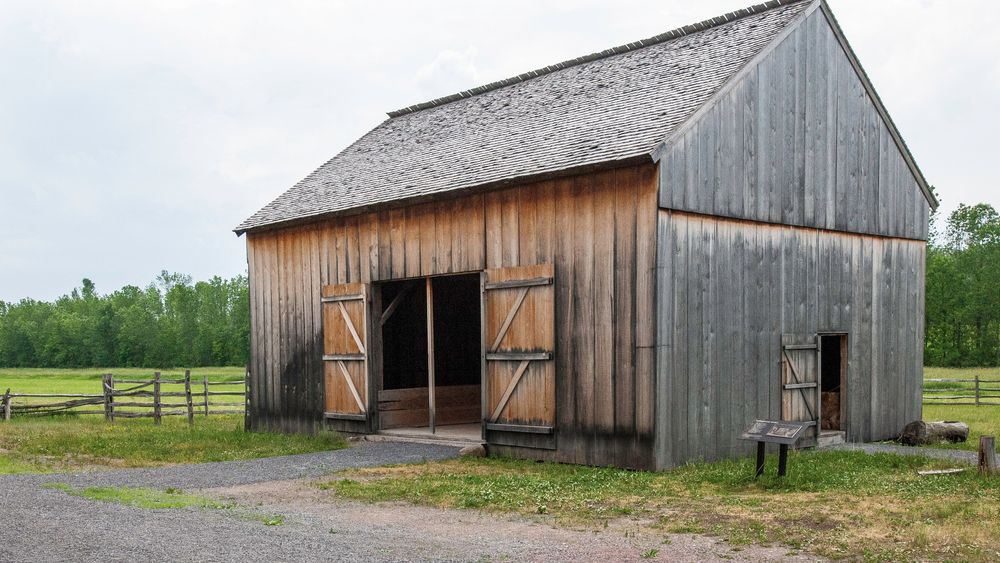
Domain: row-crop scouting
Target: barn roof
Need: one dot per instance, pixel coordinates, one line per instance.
(610, 107)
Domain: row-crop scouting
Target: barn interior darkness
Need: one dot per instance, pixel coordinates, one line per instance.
(831, 374)
(457, 333)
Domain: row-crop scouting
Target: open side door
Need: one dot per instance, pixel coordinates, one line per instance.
(345, 353)
(519, 396)
(800, 384)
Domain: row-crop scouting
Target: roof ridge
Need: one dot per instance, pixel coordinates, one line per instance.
(667, 36)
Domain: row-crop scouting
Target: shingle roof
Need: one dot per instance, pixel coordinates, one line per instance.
(616, 105)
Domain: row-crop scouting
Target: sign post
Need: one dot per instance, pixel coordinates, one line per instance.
(784, 433)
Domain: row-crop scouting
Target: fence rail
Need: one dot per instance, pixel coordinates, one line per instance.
(197, 396)
(977, 391)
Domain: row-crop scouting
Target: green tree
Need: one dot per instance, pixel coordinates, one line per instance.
(963, 290)
(169, 323)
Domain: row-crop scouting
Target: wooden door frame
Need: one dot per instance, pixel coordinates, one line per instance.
(376, 372)
(844, 366)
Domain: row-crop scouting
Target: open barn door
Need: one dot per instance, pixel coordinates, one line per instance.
(800, 389)
(518, 348)
(345, 351)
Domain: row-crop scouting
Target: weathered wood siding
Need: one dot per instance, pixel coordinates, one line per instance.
(728, 290)
(796, 141)
(599, 230)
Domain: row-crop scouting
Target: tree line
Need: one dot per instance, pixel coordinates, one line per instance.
(963, 289)
(172, 322)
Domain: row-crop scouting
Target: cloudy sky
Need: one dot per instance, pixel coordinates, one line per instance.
(135, 135)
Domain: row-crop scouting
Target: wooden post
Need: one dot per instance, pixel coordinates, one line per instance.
(111, 392)
(977, 390)
(205, 381)
(987, 455)
(106, 383)
(760, 459)
(430, 353)
(782, 460)
(187, 396)
(156, 398)
(6, 405)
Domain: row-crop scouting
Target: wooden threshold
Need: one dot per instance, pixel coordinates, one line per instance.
(346, 416)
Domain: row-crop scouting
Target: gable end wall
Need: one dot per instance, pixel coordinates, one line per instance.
(796, 141)
(786, 208)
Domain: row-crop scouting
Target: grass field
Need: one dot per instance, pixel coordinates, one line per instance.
(989, 385)
(88, 381)
(834, 504)
(75, 442)
(984, 419)
(48, 380)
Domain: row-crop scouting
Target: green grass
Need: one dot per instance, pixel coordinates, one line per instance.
(834, 504)
(983, 419)
(140, 497)
(13, 463)
(67, 442)
(990, 384)
(960, 373)
(170, 498)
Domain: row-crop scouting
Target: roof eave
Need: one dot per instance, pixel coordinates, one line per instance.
(643, 158)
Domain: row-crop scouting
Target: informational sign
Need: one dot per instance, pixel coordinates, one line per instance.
(775, 432)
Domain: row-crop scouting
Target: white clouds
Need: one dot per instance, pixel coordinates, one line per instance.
(449, 72)
(134, 135)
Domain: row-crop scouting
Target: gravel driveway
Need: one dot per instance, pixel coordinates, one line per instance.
(44, 524)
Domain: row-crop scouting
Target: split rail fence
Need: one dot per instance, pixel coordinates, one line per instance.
(137, 398)
(977, 391)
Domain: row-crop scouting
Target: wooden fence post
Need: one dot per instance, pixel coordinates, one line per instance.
(6, 405)
(206, 395)
(187, 396)
(156, 398)
(108, 384)
(987, 455)
(977, 390)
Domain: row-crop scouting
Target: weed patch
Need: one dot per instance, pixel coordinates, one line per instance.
(139, 497)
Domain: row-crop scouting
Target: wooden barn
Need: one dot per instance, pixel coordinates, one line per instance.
(622, 259)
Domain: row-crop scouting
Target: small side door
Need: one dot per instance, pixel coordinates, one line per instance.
(519, 355)
(345, 353)
(800, 389)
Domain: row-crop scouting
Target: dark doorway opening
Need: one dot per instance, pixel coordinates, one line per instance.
(404, 335)
(833, 376)
(412, 396)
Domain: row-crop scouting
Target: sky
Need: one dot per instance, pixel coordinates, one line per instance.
(134, 136)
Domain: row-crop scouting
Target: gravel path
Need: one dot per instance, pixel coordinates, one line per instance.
(226, 473)
(960, 456)
(44, 524)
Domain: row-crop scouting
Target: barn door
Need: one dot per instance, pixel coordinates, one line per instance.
(519, 348)
(345, 351)
(800, 389)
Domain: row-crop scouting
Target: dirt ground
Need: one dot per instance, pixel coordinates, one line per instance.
(398, 531)
(273, 511)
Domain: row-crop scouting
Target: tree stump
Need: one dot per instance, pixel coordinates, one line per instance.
(920, 433)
